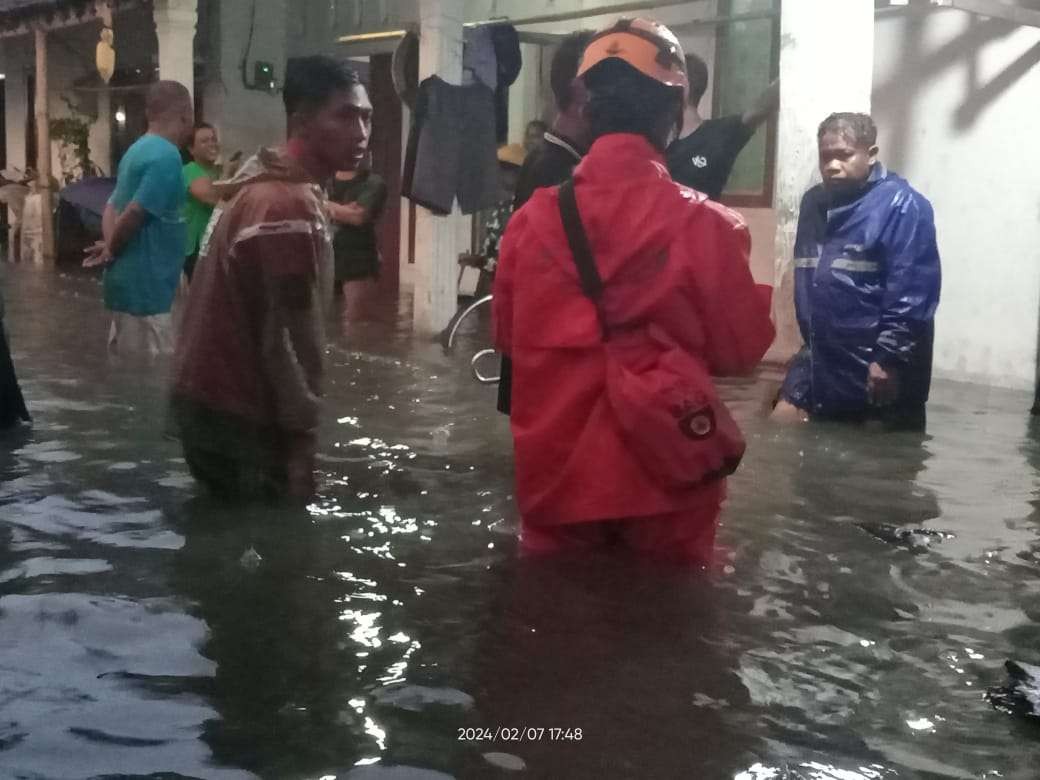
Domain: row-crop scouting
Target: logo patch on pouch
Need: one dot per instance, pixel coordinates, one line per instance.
(696, 420)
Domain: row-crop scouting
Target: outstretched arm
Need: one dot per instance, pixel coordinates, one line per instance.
(202, 189)
(766, 105)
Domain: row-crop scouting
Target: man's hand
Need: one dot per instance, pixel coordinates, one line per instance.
(97, 255)
(786, 413)
(352, 213)
(882, 385)
(231, 165)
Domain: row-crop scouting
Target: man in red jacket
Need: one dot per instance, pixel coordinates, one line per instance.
(668, 259)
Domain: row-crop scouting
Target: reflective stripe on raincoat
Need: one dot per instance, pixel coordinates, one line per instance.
(867, 281)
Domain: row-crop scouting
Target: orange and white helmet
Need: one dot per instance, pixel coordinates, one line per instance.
(646, 45)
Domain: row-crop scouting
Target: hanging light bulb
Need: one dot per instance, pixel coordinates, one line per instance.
(106, 55)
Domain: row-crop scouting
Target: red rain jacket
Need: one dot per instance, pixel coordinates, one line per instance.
(667, 255)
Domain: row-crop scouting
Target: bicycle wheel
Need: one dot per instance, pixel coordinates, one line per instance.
(449, 334)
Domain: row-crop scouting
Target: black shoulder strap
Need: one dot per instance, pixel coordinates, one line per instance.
(591, 283)
(588, 274)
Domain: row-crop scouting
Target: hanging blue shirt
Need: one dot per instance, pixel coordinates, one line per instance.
(144, 277)
(867, 281)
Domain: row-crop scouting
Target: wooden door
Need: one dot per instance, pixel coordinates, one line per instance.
(386, 161)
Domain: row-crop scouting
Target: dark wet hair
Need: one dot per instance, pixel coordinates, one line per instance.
(623, 100)
(201, 126)
(697, 73)
(565, 63)
(859, 127)
(310, 82)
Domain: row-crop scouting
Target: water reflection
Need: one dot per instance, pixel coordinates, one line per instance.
(566, 650)
(862, 634)
(92, 716)
(286, 655)
(146, 631)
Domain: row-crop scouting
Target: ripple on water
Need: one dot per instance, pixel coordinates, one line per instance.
(813, 770)
(417, 698)
(179, 480)
(123, 466)
(46, 567)
(48, 452)
(88, 639)
(377, 772)
(58, 516)
(847, 659)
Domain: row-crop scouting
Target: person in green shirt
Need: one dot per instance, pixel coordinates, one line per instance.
(199, 176)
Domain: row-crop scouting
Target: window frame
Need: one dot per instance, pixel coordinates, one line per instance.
(763, 199)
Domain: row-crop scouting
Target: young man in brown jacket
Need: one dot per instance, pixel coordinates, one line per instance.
(248, 367)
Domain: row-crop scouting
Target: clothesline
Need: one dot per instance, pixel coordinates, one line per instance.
(537, 37)
(562, 16)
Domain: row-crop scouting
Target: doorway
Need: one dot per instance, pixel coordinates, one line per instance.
(386, 161)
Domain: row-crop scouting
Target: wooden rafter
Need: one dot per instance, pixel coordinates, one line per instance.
(24, 18)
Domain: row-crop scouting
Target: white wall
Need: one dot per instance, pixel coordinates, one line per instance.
(762, 225)
(527, 99)
(311, 28)
(247, 119)
(15, 56)
(956, 105)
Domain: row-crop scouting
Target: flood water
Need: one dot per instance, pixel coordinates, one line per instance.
(389, 631)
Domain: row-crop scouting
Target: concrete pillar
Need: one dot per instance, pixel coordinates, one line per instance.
(175, 22)
(43, 143)
(525, 103)
(819, 73)
(101, 131)
(437, 239)
(101, 134)
(16, 102)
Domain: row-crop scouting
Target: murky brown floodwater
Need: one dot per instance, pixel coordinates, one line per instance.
(146, 631)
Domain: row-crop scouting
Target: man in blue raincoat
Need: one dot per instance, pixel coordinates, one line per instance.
(867, 283)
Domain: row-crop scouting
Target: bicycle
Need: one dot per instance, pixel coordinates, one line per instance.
(451, 335)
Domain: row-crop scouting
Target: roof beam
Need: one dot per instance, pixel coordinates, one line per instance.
(583, 13)
(58, 19)
(994, 9)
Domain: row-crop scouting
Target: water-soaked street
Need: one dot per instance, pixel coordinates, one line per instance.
(145, 629)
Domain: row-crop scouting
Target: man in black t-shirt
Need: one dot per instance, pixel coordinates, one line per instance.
(533, 134)
(552, 161)
(548, 164)
(703, 156)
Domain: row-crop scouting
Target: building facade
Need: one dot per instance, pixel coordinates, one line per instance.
(952, 85)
